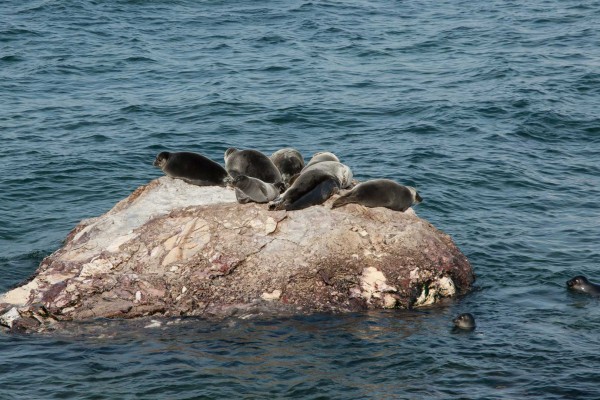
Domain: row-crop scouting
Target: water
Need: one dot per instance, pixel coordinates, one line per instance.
(489, 108)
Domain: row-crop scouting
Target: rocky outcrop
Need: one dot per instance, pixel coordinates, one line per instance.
(173, 249)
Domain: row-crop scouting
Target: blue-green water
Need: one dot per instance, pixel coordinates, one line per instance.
(491, 109)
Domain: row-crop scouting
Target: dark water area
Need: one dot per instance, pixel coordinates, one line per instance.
(491, 109)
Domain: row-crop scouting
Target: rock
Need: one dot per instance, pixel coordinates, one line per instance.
(171, 249)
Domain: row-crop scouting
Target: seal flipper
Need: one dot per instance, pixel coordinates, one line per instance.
(342, 201)
(318, 195)
(241, 197)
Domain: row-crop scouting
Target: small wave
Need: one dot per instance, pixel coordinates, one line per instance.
(11, 59)
(140, 59)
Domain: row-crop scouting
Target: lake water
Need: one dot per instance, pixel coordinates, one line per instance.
(491, 109)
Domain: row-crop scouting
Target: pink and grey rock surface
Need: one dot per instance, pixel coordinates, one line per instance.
(174, 249)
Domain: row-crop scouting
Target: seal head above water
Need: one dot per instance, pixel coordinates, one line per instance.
(582, 285)
(464, 322)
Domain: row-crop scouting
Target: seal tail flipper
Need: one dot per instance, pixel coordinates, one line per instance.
(277, 204)
(241, 197)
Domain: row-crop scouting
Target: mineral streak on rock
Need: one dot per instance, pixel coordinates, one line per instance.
(172, 249)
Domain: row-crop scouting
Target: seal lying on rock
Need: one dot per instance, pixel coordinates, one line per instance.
(249, 189)
(251, 163)
(380, 193)
(314, 186)
(318, 158)
(322, 156)
(465, 322)
(289, 162)
(192, 168)
(581, 284)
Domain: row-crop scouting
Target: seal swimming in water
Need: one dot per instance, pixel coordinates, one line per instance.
(314, 186)
(289, 162)
(465, 322)
(581, 284)
(192, 168)
(252, 163)
(380, 193)
(249, 189)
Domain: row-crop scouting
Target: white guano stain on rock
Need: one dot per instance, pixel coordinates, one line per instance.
(19, 296)
(96, 267)
(432, 292)
(9, 317)
(373, 284)
(274, 295)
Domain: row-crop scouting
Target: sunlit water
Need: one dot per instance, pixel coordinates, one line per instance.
(491, 109)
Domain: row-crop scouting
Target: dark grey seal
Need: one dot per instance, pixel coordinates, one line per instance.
(314, 186)
(380, 193)
(289, 162)
(192, 168)
(252, 163)
(581, 284)
(465, 322)
(249, 189)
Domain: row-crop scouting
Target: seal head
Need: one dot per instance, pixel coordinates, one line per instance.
(582, 285)
(289, 162)
(464, 322)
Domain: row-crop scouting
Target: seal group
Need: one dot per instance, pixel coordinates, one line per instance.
(284, 180)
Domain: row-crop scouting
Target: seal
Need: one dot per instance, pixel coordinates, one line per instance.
(251, 163)
(341, 171)
(192, 168)
(380, 193)
(289, 162)
(314, 186)
(322, 156)
(581, 284)
(248, 189)
(465, 322)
